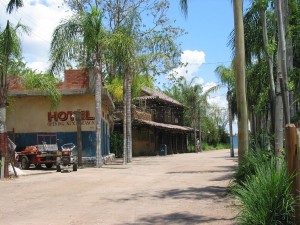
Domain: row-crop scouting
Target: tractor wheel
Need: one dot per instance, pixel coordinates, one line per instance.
(49, 165)
(38, 166)
(25, 163)
(58, 169)
(75, 167)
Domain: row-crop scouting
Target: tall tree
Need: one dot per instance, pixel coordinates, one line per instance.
(202, 106)
(122, 48)
(226, 76)
(261, 7)
(191, 98)
(282, 58)
(240, 75)
(155, 48)
(81, 38)
(10, 50)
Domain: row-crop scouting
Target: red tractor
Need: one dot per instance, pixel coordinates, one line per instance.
(66, 158)
(45, 152)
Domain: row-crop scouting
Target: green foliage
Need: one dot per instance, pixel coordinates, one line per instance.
(0, 163)
(219, 146)
(116, 144)
(223, 134)
(265, 195)
(44, 82)
(248, 166)
(115, 88)
(210, 132)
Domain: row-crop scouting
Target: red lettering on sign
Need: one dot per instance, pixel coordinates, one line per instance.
(63, 116)
(88, 117)
(68, 115)
(52, 116)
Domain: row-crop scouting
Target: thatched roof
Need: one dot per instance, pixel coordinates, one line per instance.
(162, 125)
(152, 94)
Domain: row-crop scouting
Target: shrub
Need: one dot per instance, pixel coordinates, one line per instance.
(250, 162)
(265, 197)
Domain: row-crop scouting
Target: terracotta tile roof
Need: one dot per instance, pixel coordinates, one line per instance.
(163, 125)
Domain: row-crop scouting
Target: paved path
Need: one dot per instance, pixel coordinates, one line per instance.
(178, 189)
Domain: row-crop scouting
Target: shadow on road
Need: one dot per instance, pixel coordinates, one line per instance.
(214, 193)
(176, 218)
(209, 192)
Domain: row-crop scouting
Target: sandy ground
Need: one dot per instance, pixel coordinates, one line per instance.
(176, 189)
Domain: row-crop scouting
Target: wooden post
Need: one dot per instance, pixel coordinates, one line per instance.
(293, 156)
(297, 163)
(79, 138)
(291, 149)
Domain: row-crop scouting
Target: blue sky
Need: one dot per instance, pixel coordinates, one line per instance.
(209, 23)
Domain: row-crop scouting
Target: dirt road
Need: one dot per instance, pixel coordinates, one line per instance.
(177, 189)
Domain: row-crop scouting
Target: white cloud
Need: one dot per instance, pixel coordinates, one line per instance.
(41, 16)
(219, 101)
(194, 60)
(208, 86)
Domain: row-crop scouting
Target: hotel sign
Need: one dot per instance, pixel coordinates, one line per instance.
(67, 118)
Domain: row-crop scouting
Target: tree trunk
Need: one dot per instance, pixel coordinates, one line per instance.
(3, 140)
(98, 93)
(200, 129)
(282, 61)
(128, 119)
(195, 131)
(271, 65)
(278, 121)
(240, 80)
(229, 99)
(125, 135)
(278, 109)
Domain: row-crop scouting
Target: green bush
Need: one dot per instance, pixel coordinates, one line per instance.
(266, 196)
(248, 166)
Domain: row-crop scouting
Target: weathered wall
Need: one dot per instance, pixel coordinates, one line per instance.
(143, 142)
(30, 115)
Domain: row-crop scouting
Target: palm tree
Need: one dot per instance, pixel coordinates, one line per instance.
(14, 4)
(282, 58)
(240, 79)
(10, 50)
(80, 39)
(203, 104)
(226, 76)
(240, 74)
(191, 98)
(122, 51)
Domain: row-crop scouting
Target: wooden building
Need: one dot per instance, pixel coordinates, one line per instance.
(157, 123)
